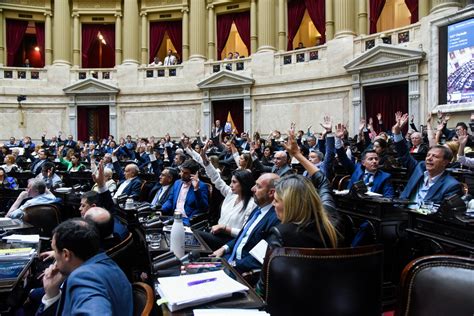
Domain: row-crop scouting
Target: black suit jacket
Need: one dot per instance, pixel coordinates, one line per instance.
(155, 190)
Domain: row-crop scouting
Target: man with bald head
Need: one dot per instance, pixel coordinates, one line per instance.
(260, 221)
(130, 184)
(281, 164)
(105, 223)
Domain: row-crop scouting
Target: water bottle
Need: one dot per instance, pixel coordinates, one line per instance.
(177, 235)
(129, 204)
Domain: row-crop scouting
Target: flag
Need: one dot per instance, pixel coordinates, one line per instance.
(229, 125)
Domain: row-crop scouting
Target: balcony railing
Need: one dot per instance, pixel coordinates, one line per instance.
(97, 73)
(234, 65)
(304, 55)
(161, 71)
(405, 36)
(22, 73)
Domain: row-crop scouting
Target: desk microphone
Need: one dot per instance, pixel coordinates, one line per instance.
(191, 256)
(158, 223)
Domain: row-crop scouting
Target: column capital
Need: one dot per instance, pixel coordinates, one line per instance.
(185, 9)
(1, 10)
(210, 6)
(48, 13)
(143, 13)
(118, 14)
(75, 15)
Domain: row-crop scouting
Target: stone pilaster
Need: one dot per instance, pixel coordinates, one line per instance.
(197, 29)
(282, 39)
(362, 17)
(329, 20)
(76, 40)
(344, 17)
(211, 44)
(130, 32)
(253, 26)
(185, 27)
(48, 33)
(144, 41)
(118, 38)
(423, 8)
(266, 25)
(62, 33)
(2, 47)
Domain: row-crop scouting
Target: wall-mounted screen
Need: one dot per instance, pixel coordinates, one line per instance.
(460, 62)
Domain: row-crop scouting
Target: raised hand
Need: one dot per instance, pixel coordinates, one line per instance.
(327, 123)
(291, 146)
(404, 120)
(428, 120)
(412, 118)
(463, 136)
(370, 126)
(195, 181)
(446, 118)
(398, 116)
(361, 124)
(340, 129)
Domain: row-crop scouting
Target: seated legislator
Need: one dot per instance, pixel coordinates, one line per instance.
(189, 195)
(261, 220)
(304, 221)
(83, 280)
(429, 180)
(160, 192)
(7, 182)
(281, 165)
(237, 205)
(105, 224)
(49, 176)
(463, 160)
(129, 182)
(38, 194)
(377, 181)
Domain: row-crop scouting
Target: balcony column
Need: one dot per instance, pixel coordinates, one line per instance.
(440, 5)
(118, 38)
(344, 18)
(266, 25)
(48, 50)
(62, 33)
(423, 8)
(282, 39)
(2, 48)
(130, 32)
(76, 42)
(198, 29)
(144, 49)
(329, 20)
(185, 27)
(253, 27)
(362, 17)
(211, 44)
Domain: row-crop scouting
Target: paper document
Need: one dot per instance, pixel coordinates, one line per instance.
(195, 289)
(259, 251)
(33, 239)
(229, 312)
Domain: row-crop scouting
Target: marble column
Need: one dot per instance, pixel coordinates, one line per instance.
(329, 20)
(266, 25)
(76, 41)
(211, 44)
(362, 17)
(253, 26)
(2, 47)
(282, 39)
(185, 27)
(48, 49)
(344, 18)
(130, 32)
(197, 29)
(439, 5)
(62, 33)
(118, 38)
(423, 8)
(144, 44)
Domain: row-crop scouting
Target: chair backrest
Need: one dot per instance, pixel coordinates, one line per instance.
(122, 254)
(344, 281)
(143, 299)
(437, 285)
(44, 216)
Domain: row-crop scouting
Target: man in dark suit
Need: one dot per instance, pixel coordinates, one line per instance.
(418, 147)
(429, 180)
(38, 163)
(281, 165)
(188, 195)
(257, 227)
(90, 280)
(162, 189)
(129, 182)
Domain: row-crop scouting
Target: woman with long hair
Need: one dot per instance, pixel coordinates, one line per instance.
(9, 165)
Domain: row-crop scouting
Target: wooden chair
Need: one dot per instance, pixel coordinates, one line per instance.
(343, 182)
(143, 299)
(122, 254)
(344, 281)
(43, 216)
(437, 285)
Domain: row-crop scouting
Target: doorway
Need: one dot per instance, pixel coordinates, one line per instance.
(222, 108)
(387, 100)
(92, 121)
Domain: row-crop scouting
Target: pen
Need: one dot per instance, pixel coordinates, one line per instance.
(201, 281)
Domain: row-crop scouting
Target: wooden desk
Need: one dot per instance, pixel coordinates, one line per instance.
(250, 300)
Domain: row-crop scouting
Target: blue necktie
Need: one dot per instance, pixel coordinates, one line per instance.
(157, 197)
(246, 228)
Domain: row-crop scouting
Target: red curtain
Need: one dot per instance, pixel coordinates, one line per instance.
(220, 109)
(157, 33)
(175, 32)
(90, 46)
(108, 51)
(376, 7)
(386, 100)
(242, 22)
(40, 40)
(413, 7)
(317, 12)
(224, 24)
(15, 32)
(103, 118)
(82, 123)
(89, 37)
(296, 10)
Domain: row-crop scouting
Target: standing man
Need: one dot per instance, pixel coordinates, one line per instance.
(170, 59)
(92, 283)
